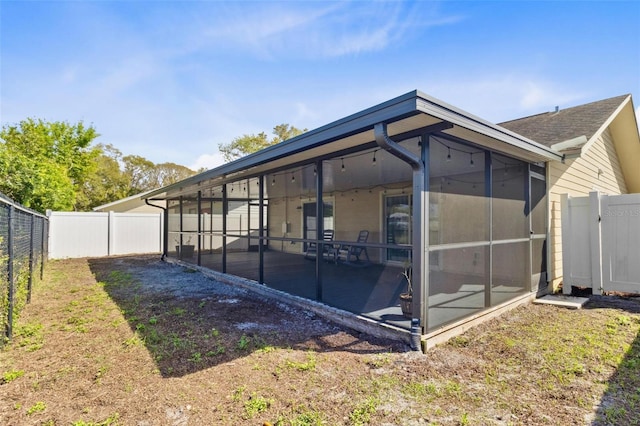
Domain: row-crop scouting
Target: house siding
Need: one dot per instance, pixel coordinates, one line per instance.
(577, 178)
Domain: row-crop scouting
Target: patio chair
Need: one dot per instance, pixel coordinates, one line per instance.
(355, 250)
(312, 248)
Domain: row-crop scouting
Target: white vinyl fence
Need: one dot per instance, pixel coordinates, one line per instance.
(601, 242)
(240, 221)
(93, 234)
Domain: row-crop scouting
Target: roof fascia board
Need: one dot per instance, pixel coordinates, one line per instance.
(438, 127)
(461, 118)
(139, 196)
(433, 128)
(393, 110)
(390, 111)
(604, 126)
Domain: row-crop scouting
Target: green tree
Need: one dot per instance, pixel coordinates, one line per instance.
(144, 175)
(247, 144)
(167, 173)
(139, 172)
(119, 176)
(44, 165)
(53, 165)
(108, 183)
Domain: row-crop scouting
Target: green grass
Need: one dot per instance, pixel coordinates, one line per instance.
(243, 343)
(109, 421)
(30, 336)
(361, 414)
(308, 365)
(11, 375)
(530, 365)
(255, 405)
(425, 391)
(38, 407)
(308, 418)
(237, 394)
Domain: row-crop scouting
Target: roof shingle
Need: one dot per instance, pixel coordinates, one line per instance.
(553, 127)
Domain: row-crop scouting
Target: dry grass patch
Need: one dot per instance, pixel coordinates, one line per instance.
(137, 341)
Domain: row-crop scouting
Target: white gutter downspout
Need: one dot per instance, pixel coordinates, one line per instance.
(418, 235)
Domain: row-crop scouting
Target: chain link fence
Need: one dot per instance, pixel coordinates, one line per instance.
(23, 253)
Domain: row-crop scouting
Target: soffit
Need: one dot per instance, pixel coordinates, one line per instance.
(403, 115)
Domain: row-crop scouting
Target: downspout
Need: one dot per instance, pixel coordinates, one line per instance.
(165, 228)
(418, 236)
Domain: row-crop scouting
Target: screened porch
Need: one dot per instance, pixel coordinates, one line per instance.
(482, 208)
(453, 202)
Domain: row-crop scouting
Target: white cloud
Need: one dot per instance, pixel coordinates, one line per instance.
(316, 30)
(498, 98)
(208, 161)
(304, 114)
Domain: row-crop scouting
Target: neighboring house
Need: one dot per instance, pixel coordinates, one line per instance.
(132, 204)
(456, 203)
(601, 146)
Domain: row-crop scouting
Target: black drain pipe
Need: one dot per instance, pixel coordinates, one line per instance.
(165, 228)
(418, 236)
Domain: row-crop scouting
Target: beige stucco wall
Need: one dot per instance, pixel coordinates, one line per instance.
(577, 178)
(353, 211)
(285, 210)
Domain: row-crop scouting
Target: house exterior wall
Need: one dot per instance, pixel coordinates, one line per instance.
(353, 211)
(139, 209)
(356, 211)
(281, 211)
(578, 177)
(131, 206)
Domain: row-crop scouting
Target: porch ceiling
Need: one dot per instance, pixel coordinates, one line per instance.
(404, 115)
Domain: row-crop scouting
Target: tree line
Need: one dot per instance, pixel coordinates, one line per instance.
(58, 166)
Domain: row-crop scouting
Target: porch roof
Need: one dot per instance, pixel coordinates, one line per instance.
(407, 116)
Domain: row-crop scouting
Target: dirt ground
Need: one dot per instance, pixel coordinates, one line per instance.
(136, 341)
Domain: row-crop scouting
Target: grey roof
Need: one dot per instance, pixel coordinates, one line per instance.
(139, 196)
(550, 128)
(404, 114)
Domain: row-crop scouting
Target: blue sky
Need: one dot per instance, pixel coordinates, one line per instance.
(171, 80)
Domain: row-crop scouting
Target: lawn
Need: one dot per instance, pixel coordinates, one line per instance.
(135, 341)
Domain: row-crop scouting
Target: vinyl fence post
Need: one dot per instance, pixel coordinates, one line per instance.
(111, 230)
(567, 250)
(595, 221)
(9, 325)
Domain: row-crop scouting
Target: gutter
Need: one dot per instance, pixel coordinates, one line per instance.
(165, 227)
(571, 148)
(418, 236)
